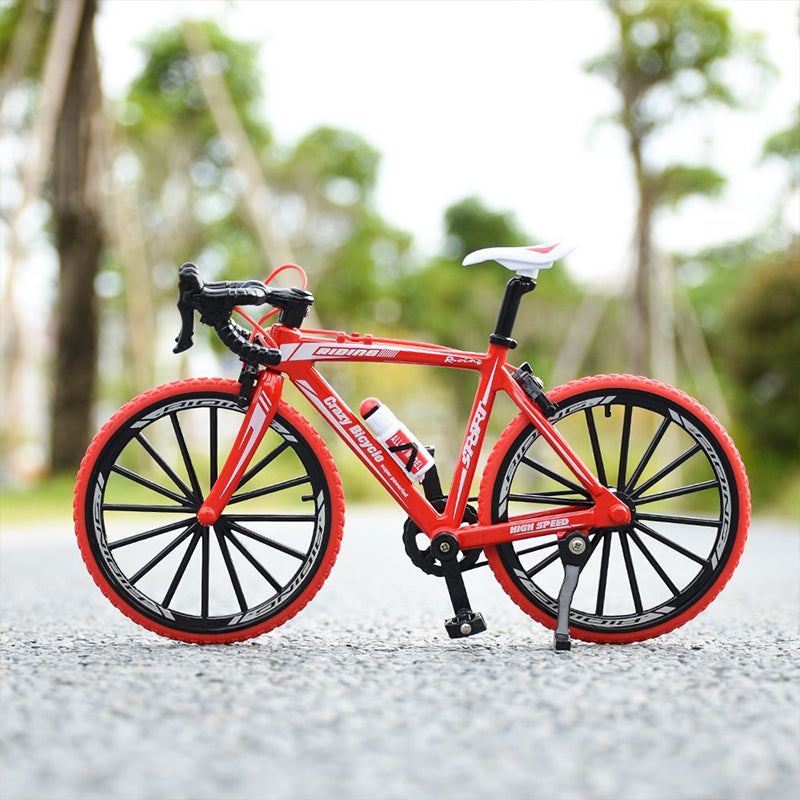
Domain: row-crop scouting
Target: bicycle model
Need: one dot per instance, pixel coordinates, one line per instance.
(612, 509)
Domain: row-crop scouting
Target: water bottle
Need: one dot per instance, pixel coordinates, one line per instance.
(404, 447)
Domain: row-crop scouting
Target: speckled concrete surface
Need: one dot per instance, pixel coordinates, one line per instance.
(363, 695)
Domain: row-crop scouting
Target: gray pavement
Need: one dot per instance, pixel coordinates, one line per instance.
(363, 695)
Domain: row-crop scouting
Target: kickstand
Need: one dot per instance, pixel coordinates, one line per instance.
(574, 552)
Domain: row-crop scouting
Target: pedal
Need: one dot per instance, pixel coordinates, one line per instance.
(465, 623)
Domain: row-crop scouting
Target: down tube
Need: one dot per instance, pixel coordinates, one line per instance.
(351, 430)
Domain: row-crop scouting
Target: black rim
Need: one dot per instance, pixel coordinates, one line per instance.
(667, 467)
(147, 486)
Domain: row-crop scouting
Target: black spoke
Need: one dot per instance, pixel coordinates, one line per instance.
(579, 490)
(653, 563)
(626, 553)
(252, 559)
(187, 461)
(276, 487)
(648, 454)
(677, 520)
(159, 557)
(265, 540)
(145, 507)
(220, 531)
(669, 543)
(156, 456)
(148, 484)
(140, 537)
(603, 580)
(271, 517)
(205, 556)
(213, 444)
(268, 459)
(178, 577)
(598, 456)
(537, 547)
(661, 474)
(683, 490)
(549, 498)
(542, 564)
(624, 447)
(476, 565)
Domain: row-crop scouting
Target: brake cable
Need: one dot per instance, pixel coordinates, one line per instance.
(258, 330)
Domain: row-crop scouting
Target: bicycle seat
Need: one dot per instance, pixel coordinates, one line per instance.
(525, 261)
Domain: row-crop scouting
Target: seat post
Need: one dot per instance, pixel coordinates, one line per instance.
(515, 289)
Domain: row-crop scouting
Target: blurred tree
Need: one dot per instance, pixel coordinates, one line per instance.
(320, 199)
(80, 236)
(785, 145)
(666, 59)
(353, 257)
(453, 305)
(472, 295)
(65, 127)
(188, 185)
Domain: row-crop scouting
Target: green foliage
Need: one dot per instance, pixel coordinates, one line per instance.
(679, 181)
(336, 164)
(190, 193)
(716, 273)
(359, 285)
(760, 343)
(166, 98)
(470, 226)
(667, 59)
(11, 15)
(670, 47)
(785, 145)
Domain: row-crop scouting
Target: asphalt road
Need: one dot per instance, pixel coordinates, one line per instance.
(363, 696)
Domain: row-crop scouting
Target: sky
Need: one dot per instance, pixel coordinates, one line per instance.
(490, 99)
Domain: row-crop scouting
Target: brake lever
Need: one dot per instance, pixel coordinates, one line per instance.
(190, 285)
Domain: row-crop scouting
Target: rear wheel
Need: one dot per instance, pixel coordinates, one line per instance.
(676, 468)
(141, 484)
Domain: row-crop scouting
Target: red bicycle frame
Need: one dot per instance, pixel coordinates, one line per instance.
(301, 349)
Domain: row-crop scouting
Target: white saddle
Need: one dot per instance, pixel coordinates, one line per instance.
(525, 261)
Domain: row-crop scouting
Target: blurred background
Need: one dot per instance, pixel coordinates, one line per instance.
(376, 144)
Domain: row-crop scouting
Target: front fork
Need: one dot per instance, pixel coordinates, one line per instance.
(259, 416)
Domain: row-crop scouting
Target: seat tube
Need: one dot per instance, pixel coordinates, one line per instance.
(257, 420)
(490, 382)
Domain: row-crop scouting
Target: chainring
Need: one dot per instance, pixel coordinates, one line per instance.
(423, 559)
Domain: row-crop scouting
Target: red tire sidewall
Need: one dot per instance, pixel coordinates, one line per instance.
(610, 383)
(175, 389)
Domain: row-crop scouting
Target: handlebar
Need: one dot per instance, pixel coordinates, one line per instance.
(216, 300)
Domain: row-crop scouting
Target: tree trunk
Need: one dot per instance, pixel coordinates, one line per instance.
(79, 238)
(641, 330)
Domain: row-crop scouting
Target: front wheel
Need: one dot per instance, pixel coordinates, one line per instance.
(675, 467)
(139, 488)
